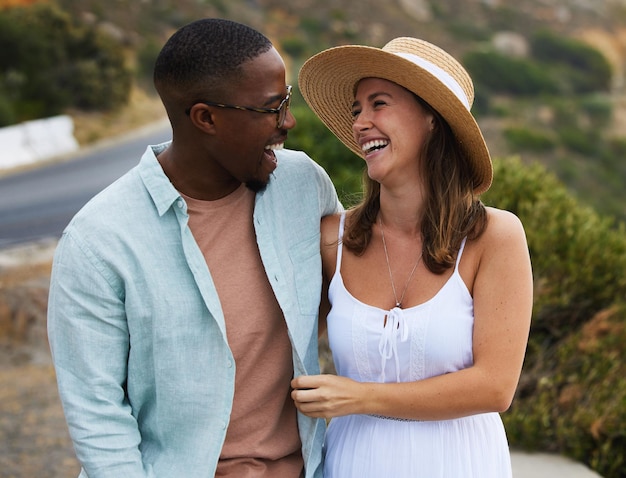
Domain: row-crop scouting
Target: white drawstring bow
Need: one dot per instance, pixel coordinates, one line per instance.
(395, 328)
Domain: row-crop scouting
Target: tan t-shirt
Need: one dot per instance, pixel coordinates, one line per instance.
(262, 438)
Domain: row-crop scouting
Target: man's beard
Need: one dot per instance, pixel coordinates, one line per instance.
(256, 185)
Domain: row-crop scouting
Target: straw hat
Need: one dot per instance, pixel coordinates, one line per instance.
(328, 80)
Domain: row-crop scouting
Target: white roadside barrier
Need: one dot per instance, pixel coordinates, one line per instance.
(38, 140)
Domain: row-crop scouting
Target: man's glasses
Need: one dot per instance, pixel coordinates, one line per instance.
(281, 111)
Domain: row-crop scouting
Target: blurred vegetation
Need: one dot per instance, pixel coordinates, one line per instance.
(553, 107)
(85, 54)
(557, 109)
(579, 257)
(343, 166)
(499, 73)
(555, 66)
(581, 68)
(49, 63)
(572, 396)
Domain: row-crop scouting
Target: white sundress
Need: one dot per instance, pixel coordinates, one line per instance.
(426, 340)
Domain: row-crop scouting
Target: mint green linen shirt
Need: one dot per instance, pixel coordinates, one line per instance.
(137, 332)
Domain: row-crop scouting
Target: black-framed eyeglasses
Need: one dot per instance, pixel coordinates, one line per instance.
(281, 111)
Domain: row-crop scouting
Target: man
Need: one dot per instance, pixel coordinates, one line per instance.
(184, 297)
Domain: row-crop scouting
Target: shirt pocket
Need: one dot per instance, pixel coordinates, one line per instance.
(307, 272)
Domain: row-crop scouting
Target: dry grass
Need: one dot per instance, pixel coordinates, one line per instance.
(142, 109)
(24, 282)
(23, 306)
(17, 275)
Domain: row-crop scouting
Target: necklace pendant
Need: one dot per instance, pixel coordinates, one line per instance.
(393, 287)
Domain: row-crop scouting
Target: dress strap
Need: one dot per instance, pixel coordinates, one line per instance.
(342, 221)
(458, 256)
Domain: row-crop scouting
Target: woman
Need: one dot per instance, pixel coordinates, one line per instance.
(430, 291)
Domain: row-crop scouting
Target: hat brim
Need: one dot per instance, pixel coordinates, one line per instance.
(327, 82)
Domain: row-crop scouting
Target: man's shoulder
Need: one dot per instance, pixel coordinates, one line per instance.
(112, 203)
(292, 157)
(296, 165)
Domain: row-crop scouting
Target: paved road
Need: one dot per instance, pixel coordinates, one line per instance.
(543, 465)
(38, 203)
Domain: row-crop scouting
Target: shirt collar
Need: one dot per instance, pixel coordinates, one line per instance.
(157, 183)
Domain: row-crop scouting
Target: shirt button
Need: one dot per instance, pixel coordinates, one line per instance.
(229, 364)
(180, 204)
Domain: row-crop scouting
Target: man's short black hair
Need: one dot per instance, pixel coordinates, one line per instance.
(205, 54)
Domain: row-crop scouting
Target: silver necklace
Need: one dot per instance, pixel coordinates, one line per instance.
(393, 287)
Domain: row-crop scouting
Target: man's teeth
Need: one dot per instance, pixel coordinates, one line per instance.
(373, 145)
(275, 146)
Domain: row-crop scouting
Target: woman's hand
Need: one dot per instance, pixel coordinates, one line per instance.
(327, 396)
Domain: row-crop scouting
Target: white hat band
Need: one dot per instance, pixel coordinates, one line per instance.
(441, 74)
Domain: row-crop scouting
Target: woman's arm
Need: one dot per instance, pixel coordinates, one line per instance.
(324, 309)
(329, 228)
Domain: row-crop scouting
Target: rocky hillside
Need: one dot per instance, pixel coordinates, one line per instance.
(600, 22)
(595, 172)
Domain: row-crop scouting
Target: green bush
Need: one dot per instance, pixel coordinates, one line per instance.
(343, 166)
(467, 31)
(502, 74)
(314, 27)
(524, 139)
(574, 401)
(506, 17)
(146, 57)
(578, 140)
(482, 103)
(295, 47)
(580, 125)
(557, 66)
(579, 257)
(566, 112)
(49, 63)
(572, 396)
(598, 108)
(618, 146)
(582, 67)
(7, 116)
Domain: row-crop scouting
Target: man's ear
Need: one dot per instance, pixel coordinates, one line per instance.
(202, 117)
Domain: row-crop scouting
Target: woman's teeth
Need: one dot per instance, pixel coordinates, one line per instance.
(374, 145)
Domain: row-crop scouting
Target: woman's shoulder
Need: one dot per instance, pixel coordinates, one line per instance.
(503, 229)
(501, 221)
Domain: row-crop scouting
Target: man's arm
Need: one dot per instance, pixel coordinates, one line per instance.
(89, 340)
(329, 201)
